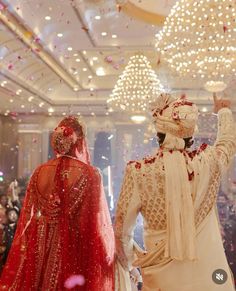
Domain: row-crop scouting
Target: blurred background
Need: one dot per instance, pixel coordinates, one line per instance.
(74, 57)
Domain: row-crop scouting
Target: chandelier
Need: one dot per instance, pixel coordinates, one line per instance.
(199, 40)
(136, 87)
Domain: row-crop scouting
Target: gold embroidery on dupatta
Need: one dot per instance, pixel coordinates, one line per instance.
(53, 262)
(40, 252)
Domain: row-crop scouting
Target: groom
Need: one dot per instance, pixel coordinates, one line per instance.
(175, 191)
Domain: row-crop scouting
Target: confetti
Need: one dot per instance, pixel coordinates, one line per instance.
(2, 7)
(109, 59)
(73, 281)
(85, 28)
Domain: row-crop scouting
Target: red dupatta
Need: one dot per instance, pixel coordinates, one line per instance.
(64, 239)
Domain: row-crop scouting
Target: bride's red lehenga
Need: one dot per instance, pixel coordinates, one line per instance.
(64, 231)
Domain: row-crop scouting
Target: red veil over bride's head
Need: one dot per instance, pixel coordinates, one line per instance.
(69, 138)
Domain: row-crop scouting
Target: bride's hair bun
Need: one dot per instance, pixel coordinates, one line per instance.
(62, 139)
(69, 130)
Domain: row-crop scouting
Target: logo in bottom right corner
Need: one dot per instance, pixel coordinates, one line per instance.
(219, 276)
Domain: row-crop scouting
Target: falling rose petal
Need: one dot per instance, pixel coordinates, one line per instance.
(116, 66)
(37, 39)
(2, 7)
(73, 281)
(108, 59)
(85, 28)
(10, 66)
(121, 61)
(13, 114)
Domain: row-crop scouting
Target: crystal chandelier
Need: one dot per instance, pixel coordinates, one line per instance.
(136, 87)
(199, 40)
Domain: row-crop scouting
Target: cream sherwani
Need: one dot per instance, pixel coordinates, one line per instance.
(143, 191)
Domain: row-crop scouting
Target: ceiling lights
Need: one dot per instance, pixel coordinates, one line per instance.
(3, 83)
(104, 33)
(137, 86)
(138, 118)
(215, 86)
(30, 98)
(70, 48)
(18, 92)
(100, 71)
(47, 17)
(97, 17)
(60, 34)
(198, 39)
(51, 110)
(204, 109)
(114, 36)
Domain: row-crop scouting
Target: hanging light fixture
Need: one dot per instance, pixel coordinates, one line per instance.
(198, 41)
(137, 86)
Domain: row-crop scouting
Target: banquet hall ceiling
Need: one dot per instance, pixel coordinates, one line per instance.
(67, 55)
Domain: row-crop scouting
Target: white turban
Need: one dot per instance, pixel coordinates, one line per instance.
(175, 116)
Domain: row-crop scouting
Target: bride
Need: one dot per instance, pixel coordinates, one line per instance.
(64, 237)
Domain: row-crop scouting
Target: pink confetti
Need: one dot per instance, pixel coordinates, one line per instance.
(37, 39)
(116, 66)
(13, 115)
(10, 66)
(2, 7)
(73, 281)
(108, 59)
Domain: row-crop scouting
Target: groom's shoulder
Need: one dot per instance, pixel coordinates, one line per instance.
(139, 164)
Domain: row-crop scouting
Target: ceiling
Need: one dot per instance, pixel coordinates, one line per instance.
(66, 55)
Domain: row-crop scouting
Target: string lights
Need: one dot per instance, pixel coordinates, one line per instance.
(137, 86)
(199, 40)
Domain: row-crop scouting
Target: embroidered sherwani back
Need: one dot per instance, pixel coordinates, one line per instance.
(143, 191)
